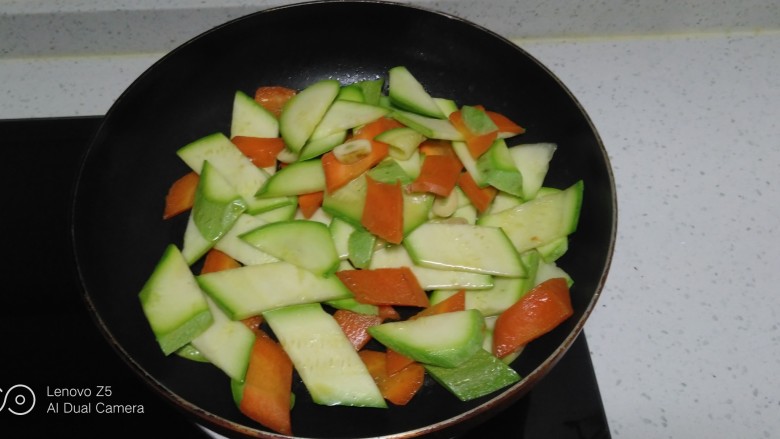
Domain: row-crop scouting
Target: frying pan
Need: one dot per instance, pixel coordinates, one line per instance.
(118, 234)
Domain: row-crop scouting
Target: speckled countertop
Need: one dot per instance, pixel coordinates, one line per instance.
(686, 336)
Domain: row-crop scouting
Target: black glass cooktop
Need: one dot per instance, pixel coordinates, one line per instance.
(59, 377)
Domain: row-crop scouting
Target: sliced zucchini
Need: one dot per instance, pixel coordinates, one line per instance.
(303, 177)
(469, 163)
(351, 92)
(194, 245)
(498, 169)
(316, 147)
(447, 106)
(430, 278)
(405, 91)
(403, 141)
(326, 361)
(372, 90)
(348, 201)
(445, 340)
(483, 373)
(360, 246)
(464, 247)
(253, 289)
(429, 127)
(417, 206)
(232, 245)
(236, 167)
(344, 115)
(217, 205)
(226, 344)
(533, 161)
(251, 119)
(173, 303)
(340, 232)
(477, 121)
(304, 243)
(541, 220)
(304, 111)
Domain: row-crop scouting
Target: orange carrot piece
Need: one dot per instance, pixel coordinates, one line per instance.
(383, 214)
(254, 323)
(273, 98)
(309, 203)
(181, 195)
(375, 128)
(480, 197)
(385, 286)
(456, 302)
(538, 312)
(217, 260)
(394, 361)
(262, 151)
(477, 143)
(268, 386)
(398, 388)
(436, 147)
(438, 175)
(337, 174)
(387, 312)
(355, 326)
(504, 124)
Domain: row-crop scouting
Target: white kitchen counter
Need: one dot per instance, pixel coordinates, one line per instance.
(686, 336)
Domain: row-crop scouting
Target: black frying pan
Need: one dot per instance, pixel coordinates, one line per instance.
(118, 233)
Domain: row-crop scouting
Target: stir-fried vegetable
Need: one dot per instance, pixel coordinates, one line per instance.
(384, 228)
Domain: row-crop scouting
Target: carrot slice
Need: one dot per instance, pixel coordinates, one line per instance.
(273, 98)
(262, 151)
(538, 312)
(387, 312)
(394, 361)
(254, 323)
(181, 195)
(436, 147)
(268, 386)
(477, 143)
(375, 128)
(504, 124)
(383, 212)
(438, 175)
(355, 326)
(309, 203)
(456, 302)
(398, 388)
(480, 197)
(385, 286)
(337, 174)
(217, 260)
